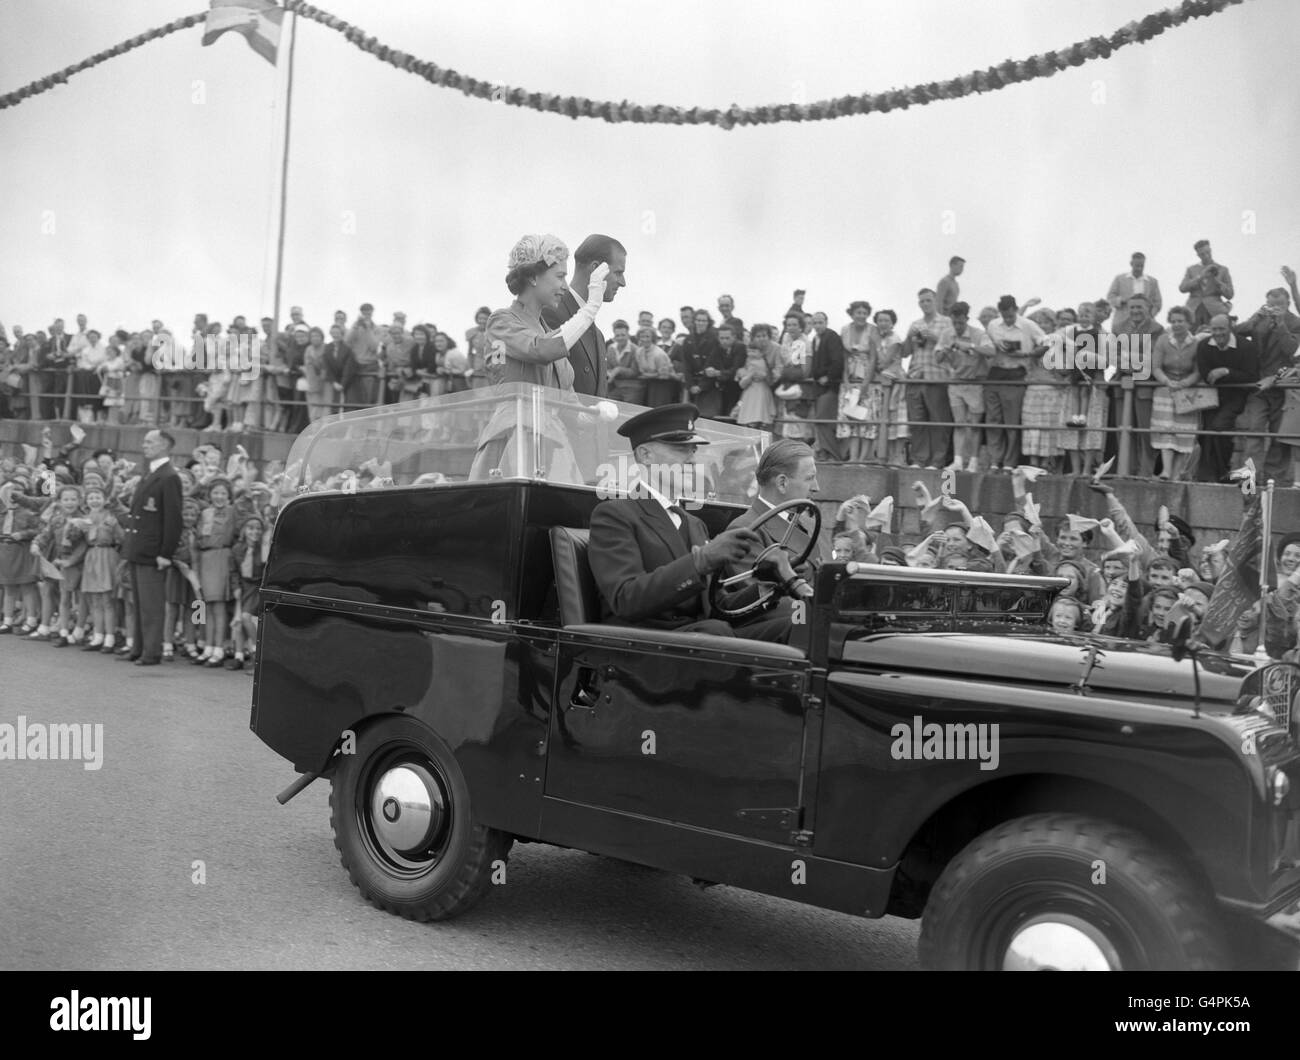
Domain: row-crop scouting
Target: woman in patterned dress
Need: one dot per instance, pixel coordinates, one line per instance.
(792, 369)
(886, 397)
(757, 405)
(1173, 433)
(860, 340)
(1043, 414)
(1086, 403)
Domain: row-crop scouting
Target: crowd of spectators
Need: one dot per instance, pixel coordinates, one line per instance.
(1065, 390)
(63, 517)
(1140, 583)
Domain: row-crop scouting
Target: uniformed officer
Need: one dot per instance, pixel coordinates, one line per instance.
(652, 560)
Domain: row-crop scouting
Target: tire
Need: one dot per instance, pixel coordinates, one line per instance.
(1022, 896)
(403, 826)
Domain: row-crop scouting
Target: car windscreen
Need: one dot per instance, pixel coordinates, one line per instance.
(513, 431)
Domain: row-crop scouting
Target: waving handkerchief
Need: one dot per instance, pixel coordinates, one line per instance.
(1081, 524)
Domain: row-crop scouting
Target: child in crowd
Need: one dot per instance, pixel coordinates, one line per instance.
(247, 561)
(63, 544)
(19, 564)
(216, 535)
(179, 591)
(1160, 603)
(99, 570)
(1066, 615)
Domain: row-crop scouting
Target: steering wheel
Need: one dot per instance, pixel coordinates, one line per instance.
(766, 590)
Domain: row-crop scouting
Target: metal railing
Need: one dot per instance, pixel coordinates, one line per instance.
(1098, 390)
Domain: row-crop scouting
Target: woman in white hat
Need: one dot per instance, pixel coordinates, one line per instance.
(521, 349)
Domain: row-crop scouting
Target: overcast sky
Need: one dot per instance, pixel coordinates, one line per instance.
(145, 187)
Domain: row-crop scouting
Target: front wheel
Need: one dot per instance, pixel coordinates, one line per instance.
(1067, 893)
(400, 810)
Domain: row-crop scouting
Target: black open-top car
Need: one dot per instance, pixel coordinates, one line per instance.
(431, 643)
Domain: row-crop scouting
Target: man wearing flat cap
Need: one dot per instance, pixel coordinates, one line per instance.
(652, 560)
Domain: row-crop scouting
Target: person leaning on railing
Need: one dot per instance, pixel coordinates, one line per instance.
(1173, 426)
(967, 351)
(1016, 340)
(1224, 360)
(1276, 331)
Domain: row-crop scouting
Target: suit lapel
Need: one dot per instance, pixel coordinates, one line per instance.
(661, 522)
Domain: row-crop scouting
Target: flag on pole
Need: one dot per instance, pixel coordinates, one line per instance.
(1238, 589)
(258, 20)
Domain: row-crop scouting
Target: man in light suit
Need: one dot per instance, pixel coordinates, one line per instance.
(1127, 284)
(587, 355)
(651, 559)
(151, 539)
(1208, 286)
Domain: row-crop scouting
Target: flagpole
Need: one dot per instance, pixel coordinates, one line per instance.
(292, 19)
(1266, 520)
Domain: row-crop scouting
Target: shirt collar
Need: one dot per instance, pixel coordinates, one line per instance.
(784, 515)
(578, 297)
(158, 462)
(1232, 342)
(642, 484)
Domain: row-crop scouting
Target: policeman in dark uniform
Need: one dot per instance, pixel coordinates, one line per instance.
(652, 560)
(151, 538)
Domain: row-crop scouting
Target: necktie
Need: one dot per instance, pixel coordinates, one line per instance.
(685, 528)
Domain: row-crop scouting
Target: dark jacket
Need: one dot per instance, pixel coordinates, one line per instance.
(645, 572)
(1242, 364)
(700, 352)
(771, 532)
(588, 355)
(827, 358)
(155, 519)
(340, 363)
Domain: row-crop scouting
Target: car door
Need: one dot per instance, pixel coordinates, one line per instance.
(697, 736)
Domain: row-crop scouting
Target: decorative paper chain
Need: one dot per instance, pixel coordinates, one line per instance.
(995, 77)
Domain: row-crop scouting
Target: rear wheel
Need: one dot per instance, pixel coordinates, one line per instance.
(401, 815)
(1064, 892)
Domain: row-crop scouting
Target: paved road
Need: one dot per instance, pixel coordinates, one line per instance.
(97, 866)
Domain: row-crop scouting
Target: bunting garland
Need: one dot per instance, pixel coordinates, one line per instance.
(990, 80)
(35, 88)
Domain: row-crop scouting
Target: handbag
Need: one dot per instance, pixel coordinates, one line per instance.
(1195, 398)
(14, 380)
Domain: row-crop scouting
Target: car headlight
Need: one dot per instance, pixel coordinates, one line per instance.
(1281, 785)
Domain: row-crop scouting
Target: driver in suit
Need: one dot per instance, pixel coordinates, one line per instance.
(786, 471)
(651, 559)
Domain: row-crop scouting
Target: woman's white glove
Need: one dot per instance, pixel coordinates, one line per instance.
(574, 328)
(596, 285)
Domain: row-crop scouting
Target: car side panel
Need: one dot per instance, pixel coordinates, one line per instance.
(871, 801)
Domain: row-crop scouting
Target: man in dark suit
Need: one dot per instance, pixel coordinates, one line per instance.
(587, 355)
(1223, 359)
(340, 372)
(823, 386)
(651, 559)
(151, 538)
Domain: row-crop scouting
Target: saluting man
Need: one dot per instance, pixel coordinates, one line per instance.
(151, 538)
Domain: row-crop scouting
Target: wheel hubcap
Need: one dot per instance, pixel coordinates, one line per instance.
(1059, 942)
(407, 809)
